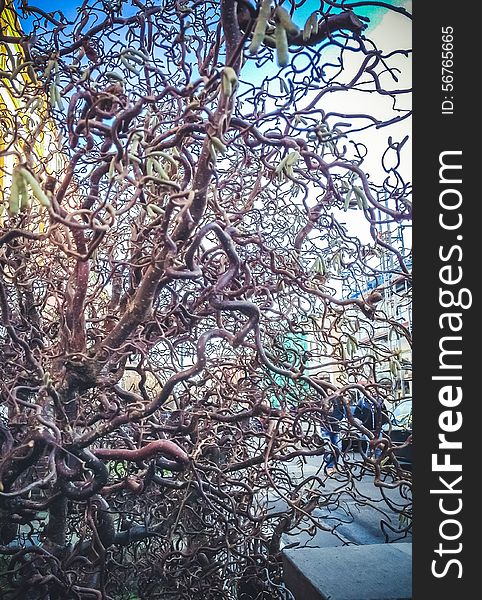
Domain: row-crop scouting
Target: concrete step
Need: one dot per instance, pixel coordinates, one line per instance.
(368, 572)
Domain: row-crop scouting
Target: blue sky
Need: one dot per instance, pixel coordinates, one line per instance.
(68, 7)
(374, 13)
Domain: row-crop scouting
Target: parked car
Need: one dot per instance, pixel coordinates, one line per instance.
(400, 429)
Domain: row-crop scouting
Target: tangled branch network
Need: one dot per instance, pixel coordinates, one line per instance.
(184, 184)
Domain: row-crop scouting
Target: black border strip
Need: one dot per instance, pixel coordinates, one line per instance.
(444, 251)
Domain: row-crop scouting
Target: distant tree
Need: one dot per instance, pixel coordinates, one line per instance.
(172, 253)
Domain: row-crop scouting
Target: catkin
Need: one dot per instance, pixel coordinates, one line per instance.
(283, 17)
(281, 39)
(218, 144)
(229, 81)
(260, 27)
(311, 26)
(38, 192)
(14, 200)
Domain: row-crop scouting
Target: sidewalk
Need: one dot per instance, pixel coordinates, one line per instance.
(372, 572)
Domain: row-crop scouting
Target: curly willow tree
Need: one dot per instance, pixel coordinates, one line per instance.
(181, 181)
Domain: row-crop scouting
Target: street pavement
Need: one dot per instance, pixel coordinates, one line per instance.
(357, 511)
